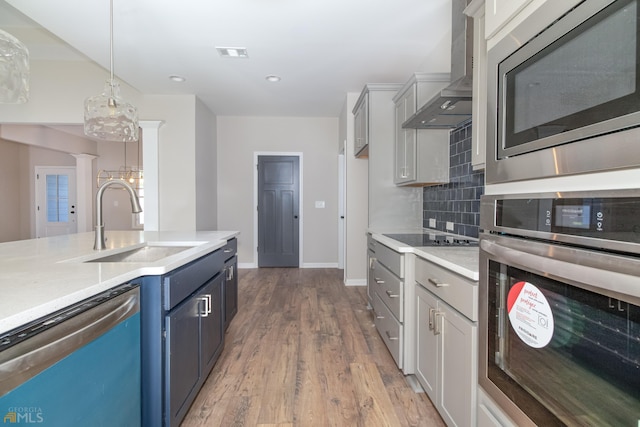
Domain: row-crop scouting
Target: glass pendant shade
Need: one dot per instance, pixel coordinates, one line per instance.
(14, 70)
(109, 117)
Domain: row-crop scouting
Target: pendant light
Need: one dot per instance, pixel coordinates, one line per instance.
(14, 70)
(107, 116)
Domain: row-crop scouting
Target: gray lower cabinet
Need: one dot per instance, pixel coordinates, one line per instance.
(194, 341)
(182, 323)
(386, 296)
(230, 282)
(446, 347)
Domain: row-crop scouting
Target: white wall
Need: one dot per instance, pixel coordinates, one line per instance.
(58, 90)
(356, 210)
(176, 158)
(206, 169)
(239, 138)
(10, 228)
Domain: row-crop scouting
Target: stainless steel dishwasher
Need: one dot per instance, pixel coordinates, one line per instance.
(78, 366)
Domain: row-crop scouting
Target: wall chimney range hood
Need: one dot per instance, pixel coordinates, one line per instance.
(452, 106)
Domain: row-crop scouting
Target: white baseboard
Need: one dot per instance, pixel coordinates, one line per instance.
(319, 265)
(248, 265)
(355, 282)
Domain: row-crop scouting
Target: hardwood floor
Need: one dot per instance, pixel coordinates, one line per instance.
(303, 351)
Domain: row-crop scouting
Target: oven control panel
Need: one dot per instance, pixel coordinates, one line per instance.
(610, 218)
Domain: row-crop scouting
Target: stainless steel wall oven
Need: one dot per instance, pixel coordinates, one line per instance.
(566, 92)
(560, 307)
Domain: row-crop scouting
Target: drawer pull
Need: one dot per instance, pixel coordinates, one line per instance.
(378, 281)
(391, 294)
(431, 312)
(377, 316)
(228, 251)
(437, 283)
(436, 328)
(390, 337)
(207, 305)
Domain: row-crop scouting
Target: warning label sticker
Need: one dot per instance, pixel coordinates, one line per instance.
(530, 314)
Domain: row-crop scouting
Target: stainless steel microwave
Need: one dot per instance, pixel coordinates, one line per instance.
(564, 92)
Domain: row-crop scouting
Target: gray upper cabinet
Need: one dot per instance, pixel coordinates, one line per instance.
(421, 156)
(361, 126)
(476, 10)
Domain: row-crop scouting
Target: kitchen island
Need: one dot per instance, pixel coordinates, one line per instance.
(41, 276)
(174, 284)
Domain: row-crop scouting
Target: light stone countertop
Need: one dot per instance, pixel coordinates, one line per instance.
(41, 276)
(463, 260)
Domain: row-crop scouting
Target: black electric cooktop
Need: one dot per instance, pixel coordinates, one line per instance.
(431, 239)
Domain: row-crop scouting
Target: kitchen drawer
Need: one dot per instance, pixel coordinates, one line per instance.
(230, 249)
(391, 259)
(457, 291)
(371, 242)
(185, 280)
(389, 329)
(389, 288)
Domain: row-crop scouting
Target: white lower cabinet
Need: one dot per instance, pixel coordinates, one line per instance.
(489, 414)
(446, 345)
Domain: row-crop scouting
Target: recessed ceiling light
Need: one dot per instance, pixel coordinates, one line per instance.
(179, 79)
(273, 79)
(233, 52)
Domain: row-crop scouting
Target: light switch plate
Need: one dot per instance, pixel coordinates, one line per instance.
(432, 223)
(449, 226)
(319, 204)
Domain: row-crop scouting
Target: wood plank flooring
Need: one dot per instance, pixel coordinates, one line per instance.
(303, 351)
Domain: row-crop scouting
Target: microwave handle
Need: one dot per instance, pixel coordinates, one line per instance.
(591, 270)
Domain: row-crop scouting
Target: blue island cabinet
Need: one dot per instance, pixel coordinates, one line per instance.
(182, 336)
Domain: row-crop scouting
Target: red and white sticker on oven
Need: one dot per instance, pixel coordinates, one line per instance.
(530, 314)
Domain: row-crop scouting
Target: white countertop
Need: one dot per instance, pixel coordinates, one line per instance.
(41, 276)
(463, 260)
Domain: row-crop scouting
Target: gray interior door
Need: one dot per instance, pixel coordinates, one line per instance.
(278, 226)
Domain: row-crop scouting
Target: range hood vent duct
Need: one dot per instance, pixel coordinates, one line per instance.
(452, 106)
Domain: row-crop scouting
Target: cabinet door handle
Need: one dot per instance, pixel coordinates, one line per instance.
(207, 305)
(372, 263)
(391, 294)
(390, 337)
(437, 283)
(437, 316)
(431, 312)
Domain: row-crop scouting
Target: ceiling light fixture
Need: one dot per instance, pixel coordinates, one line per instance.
(178, 79)
(107, 116)
(273, 78)
(233, 52)
(14, 70)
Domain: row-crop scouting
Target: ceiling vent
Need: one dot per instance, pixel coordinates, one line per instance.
(233, 52)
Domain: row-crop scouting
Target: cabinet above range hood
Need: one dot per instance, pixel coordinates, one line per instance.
(452, 105)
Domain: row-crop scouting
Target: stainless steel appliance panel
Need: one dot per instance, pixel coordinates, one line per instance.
(565, 93)
(559, 304)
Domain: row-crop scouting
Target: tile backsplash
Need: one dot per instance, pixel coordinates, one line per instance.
(458, 201)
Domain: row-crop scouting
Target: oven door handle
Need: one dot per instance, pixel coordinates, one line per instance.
(590, 270)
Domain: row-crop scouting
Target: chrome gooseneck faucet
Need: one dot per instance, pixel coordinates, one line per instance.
(135, 208)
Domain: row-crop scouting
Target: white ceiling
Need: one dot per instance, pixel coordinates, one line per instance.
(321, 49)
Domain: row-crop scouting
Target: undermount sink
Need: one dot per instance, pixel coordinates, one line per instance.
(147, 253)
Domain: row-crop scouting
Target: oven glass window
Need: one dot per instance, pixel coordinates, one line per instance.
(589, 75)
(564, 355)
